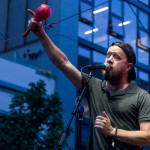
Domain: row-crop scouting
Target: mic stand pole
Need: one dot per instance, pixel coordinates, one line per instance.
(79, 125)
(78, 100)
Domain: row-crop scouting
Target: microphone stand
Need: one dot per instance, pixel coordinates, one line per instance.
(78, 108)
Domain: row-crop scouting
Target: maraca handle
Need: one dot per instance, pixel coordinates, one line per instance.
(26, 32)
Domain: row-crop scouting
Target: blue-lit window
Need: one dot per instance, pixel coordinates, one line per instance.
(143, 80)
(99, 2)
(85, 20)
(85, 31)
(113, 39)
(117, 25)
(116, 7)
(86, 12)
(143, 39)
(84, 55)
(116, 22)
(130, 28)
(98, 57)
(84, 52)
(146, 2)
(144, 19)
(101, 24)
(143, 56)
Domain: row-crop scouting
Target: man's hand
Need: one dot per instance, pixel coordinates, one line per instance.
(36, 27)
(103, 123)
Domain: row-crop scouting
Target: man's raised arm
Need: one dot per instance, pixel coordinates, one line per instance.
(55, 54)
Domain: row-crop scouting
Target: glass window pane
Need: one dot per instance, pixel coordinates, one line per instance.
(113, 39)
(85, 31)
(116, 7)
(98, 57)
(83, 58)
(86, 11)
(143, 56)
(144, 39)
(144, 19)
(130, 29)
(143, 80)
(100, 37)
(146, 2)
(84, 52)
(98, 2)
(116, 26)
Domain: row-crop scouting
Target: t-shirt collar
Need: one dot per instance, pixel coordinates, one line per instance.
(129, 89)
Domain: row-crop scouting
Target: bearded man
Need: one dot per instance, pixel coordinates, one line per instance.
(119, 110)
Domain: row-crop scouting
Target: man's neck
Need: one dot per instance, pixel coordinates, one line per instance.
(115, 86)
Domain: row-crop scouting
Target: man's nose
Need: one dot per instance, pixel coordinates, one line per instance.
(110, 59)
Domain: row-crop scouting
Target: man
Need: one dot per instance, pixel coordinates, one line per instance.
(119, 110)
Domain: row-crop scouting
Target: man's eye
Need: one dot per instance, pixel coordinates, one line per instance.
(108, 55)
(117, 57)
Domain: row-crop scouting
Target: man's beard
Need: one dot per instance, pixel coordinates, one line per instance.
(111, 75)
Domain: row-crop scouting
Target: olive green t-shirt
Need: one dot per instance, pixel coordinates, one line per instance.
(126, 108)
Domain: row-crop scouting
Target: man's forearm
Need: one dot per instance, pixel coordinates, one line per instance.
(139, 138)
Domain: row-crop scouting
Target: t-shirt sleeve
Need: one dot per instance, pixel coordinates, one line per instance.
(144, 107)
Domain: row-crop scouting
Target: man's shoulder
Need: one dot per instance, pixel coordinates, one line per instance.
(138, 90)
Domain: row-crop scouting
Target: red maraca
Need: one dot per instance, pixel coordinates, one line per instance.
(42, 13)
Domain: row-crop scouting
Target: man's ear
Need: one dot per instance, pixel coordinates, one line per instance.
(130, 65)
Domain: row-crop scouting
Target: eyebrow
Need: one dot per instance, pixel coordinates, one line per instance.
(114, 53)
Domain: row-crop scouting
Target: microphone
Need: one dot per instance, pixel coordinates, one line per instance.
(105, 66)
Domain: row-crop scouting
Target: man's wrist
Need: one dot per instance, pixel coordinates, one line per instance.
(114, 132)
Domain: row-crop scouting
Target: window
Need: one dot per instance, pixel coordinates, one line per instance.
(85, 11)
(85, 31)
(85, 20)
(131, 28)
(116, 22)
(146, 2)
(83, 57)
(143, 38)
(143, 56)
(101, 24)
(98, 58)
(116, 7)
(144, 80)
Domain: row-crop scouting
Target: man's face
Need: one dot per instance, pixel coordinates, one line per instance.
(118, 64)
